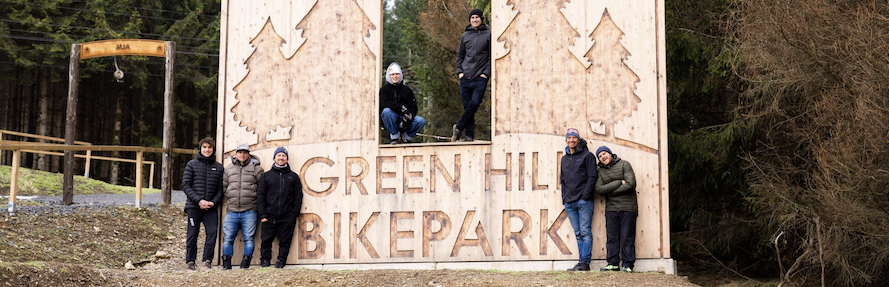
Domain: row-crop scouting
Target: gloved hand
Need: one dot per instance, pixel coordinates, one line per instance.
(408, 117)
(403, 124)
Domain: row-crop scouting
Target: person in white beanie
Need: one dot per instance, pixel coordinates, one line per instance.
(398, 107)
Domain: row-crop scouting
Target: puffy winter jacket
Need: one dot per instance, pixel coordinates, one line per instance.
(202, 180)
(280, 195)
(618, 196)
(240, 183)
(578, 177)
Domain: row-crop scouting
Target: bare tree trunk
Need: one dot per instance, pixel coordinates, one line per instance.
(5, 99)
(115, 166)
(26, 121)
(43, 114)
(58, 129)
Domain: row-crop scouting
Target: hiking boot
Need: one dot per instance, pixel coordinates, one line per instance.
(190, 265)
(208, 264)
(403, 139)
(226, 262)
(456, 135)
(264, 263)
(627, 269)
(395, 141)
(581, 266)
(245, 263)
(279, 264)
(467, 139)
(610, 267)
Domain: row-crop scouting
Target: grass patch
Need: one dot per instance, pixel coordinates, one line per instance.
(40, 183)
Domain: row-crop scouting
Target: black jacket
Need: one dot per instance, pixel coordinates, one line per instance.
(397, 96)
(474, 52)
(279, 195)
(202, 181)
(579, 174)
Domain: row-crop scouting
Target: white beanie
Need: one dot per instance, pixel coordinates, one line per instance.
(394, 68)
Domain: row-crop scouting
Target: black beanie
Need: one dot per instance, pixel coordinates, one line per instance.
(476, 12)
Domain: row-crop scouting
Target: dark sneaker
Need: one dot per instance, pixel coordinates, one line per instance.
(610, 267)
(627, 269)
(403, 139)
(456, 135)
(467, 139)
(190, 265)
(581, 266)
(395, 141)
(208, 264)
(279, 264)
(264, 263)
(245, 263)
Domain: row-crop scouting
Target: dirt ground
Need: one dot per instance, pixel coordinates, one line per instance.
(90, 246)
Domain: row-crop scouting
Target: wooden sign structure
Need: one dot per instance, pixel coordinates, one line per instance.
(120, 47)
(305, 75)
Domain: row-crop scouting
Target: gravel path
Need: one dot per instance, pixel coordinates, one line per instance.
(54, 203)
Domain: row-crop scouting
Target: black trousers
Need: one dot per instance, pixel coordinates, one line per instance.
(210, 219)
(620, 229)
(283, 231)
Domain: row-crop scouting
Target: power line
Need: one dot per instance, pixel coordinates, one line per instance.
(149, 61)
(159, 10)
(84, 36)
(106, 30)
(93, 70)
(105, 12)
(71, 42)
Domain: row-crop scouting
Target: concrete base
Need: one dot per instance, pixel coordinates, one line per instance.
(665, 265)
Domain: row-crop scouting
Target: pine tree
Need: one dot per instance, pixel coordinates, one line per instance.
(613, 97)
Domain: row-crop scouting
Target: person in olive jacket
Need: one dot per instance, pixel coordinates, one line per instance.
(578, 179)
(279, 198)
(240, 180)
(617, 183)
(202, 185)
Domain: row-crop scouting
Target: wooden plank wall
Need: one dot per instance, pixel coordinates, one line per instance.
(305, 75)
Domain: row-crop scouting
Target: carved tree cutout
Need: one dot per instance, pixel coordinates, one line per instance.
(499, 23)
(261, 93)
(613, 91)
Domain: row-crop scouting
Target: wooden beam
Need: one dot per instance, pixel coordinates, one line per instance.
(123, 47)
(70, 124)
(139, 179)
(169, 125)
(14, 179)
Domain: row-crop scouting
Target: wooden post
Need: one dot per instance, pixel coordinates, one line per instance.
(151, 175)
(70, 125)
(86, 171)
(167, 161)
(14, 178)
(139, 155)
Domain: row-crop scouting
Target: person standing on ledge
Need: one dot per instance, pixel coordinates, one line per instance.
(473, 70)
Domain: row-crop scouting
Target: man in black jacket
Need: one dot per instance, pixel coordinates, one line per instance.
(474, 70)
(578, 180)
(279, 198)
(202, 184)
(399, 107)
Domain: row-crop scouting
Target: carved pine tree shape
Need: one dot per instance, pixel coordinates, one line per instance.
(613, 93)
(263, 94)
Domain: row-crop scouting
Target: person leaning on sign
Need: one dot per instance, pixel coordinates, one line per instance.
(399, 107)
(617, 183)
(279, 198)
(578, 178)
(239, 181)
(473, 70)
(202, 185)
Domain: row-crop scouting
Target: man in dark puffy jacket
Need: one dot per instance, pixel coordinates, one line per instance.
(474, 70)
(617, 183)
(202, 184)
(240, 181)
(399, 107)
(279, 198)
(578, 179)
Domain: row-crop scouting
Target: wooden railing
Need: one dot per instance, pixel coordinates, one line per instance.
(18, 147)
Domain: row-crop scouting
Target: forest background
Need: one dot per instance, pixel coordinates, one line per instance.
(777, 113)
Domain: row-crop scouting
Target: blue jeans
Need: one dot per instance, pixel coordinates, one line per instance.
(246, 221)
(472, 93)
(580, 213)
(390, 122)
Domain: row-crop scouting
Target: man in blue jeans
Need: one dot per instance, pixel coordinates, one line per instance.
(474, 70)
(399, 108)
(578, 179)
(239, 182)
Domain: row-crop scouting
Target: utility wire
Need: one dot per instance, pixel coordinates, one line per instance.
(152, 9)
(95, 70)
(106, 30)
(105, 12)
(84, 36)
